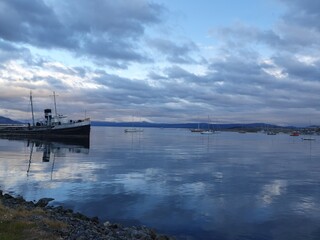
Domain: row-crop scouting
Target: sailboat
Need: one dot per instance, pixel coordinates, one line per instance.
(197, 130)
(133, 129)
(208, 131)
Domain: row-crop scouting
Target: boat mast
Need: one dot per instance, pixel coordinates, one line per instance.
(32, 108)
(55, 104)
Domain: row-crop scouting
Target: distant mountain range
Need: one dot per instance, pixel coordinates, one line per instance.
(187, 125)
(4, 120)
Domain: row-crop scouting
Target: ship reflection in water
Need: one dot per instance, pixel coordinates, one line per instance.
(60, 147)
(50, 149)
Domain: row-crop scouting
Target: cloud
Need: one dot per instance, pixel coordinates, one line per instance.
(175, 53)
(113, 58)
(106, 30)
(273, 69)
(125, 91)
(297, 30)
(22, 21)
(303, 13)
(240, 34)
(9, 51)
(299, 67)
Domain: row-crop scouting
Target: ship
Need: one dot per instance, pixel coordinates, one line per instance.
(52, 126)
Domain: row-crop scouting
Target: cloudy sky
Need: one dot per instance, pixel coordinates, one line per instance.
(162, 60)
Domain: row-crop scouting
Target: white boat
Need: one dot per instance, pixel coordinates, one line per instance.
(131, 130)
(207, 132)
(269, 132)
(197, 130)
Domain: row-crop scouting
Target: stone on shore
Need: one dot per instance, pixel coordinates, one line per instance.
(43, 202)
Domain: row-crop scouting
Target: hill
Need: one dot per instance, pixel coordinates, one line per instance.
(4, 120)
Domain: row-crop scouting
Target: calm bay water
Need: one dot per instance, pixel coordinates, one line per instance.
(192, 186)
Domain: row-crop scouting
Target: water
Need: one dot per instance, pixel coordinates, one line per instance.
(222, 186)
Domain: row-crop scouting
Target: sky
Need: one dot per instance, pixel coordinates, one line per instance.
(162, 61)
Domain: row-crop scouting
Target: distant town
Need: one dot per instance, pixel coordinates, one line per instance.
(235, 127)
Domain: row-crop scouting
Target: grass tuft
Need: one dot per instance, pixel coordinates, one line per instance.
(21, 223)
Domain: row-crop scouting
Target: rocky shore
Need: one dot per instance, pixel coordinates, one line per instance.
(37, 220)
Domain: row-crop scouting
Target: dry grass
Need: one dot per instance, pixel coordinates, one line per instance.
(21, 223)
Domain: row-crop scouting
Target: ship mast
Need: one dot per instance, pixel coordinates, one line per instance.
(55, 104)
(32, 108)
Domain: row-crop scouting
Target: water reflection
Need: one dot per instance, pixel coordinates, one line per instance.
(50, 149)
(82, 142)
(225, 186)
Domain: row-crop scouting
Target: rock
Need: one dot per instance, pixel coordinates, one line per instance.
(95, 219)
(43, 202)
(7, 196)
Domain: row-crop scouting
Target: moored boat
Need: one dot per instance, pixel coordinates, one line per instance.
(197, 130)
(271, 133)
(128, 130)
(207, 132)
(295, 134)
(308, 139)
(57, 125)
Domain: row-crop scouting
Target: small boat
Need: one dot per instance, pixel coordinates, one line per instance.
(197, 130)
(51, 126)
(207, 132)
(308, 139)
(295, 134)
(132, 130)
(271, 133)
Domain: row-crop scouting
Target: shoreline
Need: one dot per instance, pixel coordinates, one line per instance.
(37, 219)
